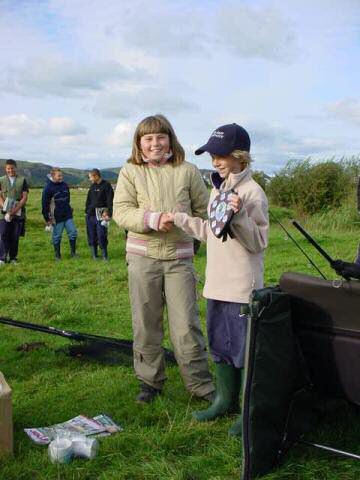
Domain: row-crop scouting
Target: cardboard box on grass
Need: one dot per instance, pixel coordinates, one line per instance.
(6, 423)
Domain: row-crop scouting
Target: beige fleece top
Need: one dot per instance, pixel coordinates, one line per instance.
(141, 189)
(234, 267)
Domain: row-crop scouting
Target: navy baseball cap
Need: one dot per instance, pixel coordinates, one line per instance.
(225, 140)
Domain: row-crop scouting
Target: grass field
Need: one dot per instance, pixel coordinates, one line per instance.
(159, 441)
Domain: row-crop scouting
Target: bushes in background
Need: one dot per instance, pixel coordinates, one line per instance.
(310, 188)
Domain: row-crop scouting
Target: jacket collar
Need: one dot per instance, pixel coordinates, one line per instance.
(233, 180)
(51, 181)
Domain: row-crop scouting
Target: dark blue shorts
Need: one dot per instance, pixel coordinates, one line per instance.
(226, 328)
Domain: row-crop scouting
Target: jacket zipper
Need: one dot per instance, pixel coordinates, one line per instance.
(162, 243)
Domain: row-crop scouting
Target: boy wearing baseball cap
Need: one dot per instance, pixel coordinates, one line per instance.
(235, 266)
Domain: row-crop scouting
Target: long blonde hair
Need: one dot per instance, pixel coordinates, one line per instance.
(156, 124)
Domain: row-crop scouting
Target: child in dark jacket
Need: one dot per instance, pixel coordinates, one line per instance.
(98, 209)
(57, 211)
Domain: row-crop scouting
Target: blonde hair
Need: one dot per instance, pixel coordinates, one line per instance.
(156, 124)
(243, 156)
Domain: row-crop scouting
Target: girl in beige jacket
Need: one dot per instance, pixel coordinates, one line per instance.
(157, 179)
(234, 267)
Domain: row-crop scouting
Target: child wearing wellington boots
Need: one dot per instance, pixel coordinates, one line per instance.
(234, 266)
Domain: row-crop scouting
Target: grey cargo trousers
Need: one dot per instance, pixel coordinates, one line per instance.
(152, 284)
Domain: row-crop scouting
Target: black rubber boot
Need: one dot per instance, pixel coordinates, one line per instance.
(57, 251)
(227, 394)
(104, 254)
(94, 253)
(147, 393)
(73, 248)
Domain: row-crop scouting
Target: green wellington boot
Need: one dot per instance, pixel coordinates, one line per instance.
(236, 428)
(228, 380)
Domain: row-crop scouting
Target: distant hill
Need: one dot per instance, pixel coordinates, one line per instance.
(36, 173)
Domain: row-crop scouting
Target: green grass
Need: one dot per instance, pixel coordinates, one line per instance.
(159, 441)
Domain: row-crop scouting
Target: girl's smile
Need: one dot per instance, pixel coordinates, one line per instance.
(154, 146)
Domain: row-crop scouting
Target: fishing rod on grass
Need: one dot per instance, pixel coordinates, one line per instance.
(90, 345)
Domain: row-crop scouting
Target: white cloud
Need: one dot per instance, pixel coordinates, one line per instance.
(306, 147)
(169, 29)
(200, 63)
(251, 32)
(18, 34)
(181, 29)
(22, 125)
(273, 145)
(69, 140)
(347, 110)
(55, 76)
(65, 126)
(122, 135)
(145, 102)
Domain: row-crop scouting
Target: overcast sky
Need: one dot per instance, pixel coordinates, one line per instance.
(78, 75)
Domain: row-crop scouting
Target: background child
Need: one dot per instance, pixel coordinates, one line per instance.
(99, 204)
(156, 179)
(234, 267)
(57, 211)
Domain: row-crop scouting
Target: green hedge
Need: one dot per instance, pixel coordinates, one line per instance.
(310, 187)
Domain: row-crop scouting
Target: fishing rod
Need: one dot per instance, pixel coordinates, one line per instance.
(344, 269)
(79, 337)
(106, 342)
(313, 242)
(330, 449)
(297, 245)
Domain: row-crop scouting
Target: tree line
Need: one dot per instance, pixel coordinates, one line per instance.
(309, 187)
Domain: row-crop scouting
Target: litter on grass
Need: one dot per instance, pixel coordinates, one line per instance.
(100, 426)
(64, 448)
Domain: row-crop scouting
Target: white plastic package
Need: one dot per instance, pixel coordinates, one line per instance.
(67, 446)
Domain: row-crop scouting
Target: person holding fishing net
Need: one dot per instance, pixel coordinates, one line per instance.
(155, 180)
